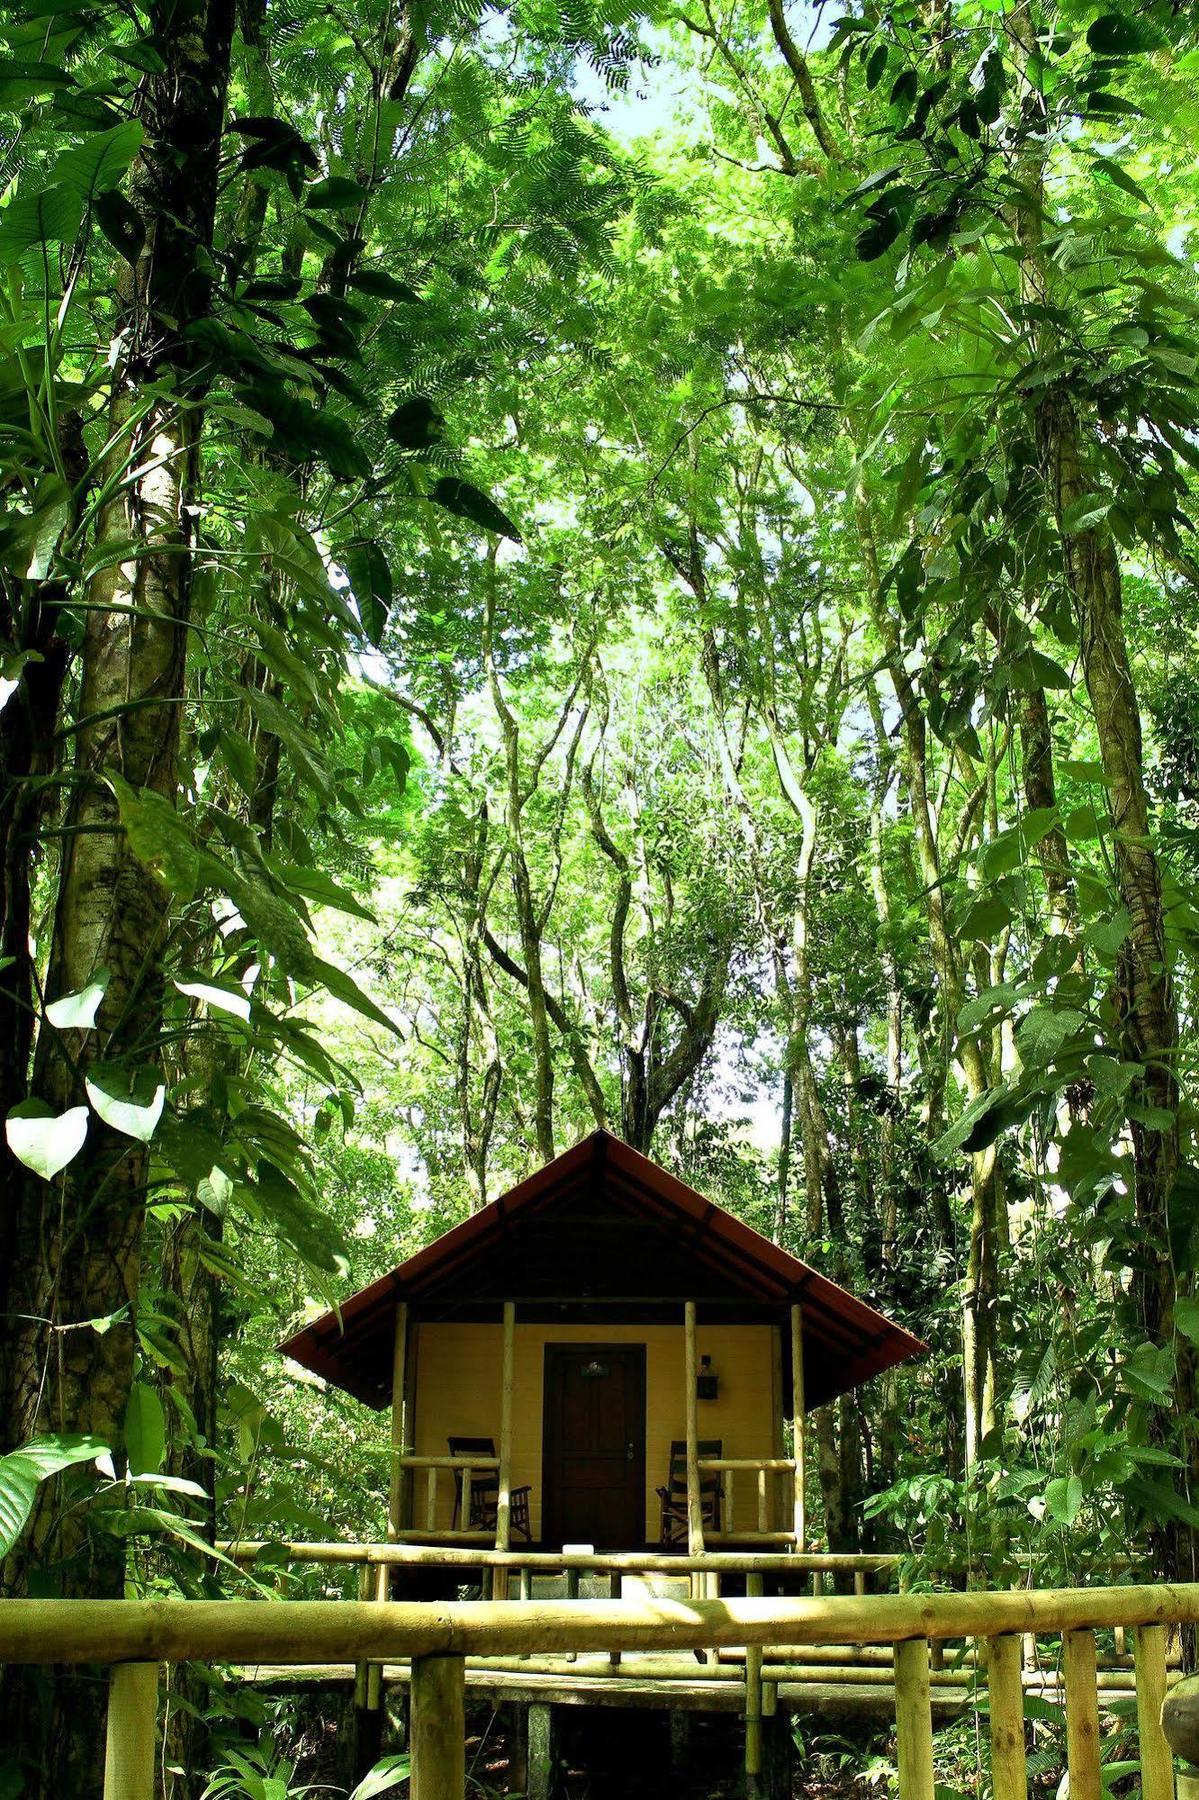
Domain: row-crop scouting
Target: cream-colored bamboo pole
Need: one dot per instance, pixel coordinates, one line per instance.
(438, 1729)
(361, 1670)
(779, 1445)
(312, 1631)
(1005, 1690)
(1157, 1763)
(431, 1500)
(859, 1582)
(695, 1510)
(399, 1421)
(503, 1505)
(1082, 1715)
(763, 1501)
(914, 1720)
(373, 1697)
(799, 1506)
(132, 1727)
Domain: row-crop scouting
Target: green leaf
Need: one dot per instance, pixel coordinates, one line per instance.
(77, 1012)
(416, 424)
(145, 1430)
(128, 1100)
(100, 161)
(1064, 1498)
(1085, 512)
(1119, 34)
(30, 221)
(44, 1141)
(382, 286)
(876, 237)
(370, 578)
(343, 987)
(469, 502)
(158, 836)
(1186, 1318)
(121, 224)
(385, 1776)
(219, 997)
(336, 193)
(1103, 165)
(23, 1470)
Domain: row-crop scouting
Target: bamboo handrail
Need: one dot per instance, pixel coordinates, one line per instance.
(306, 1631)
(138, 1635)
(407, 1460)
(552, 1562)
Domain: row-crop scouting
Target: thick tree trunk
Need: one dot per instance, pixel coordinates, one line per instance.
(1145, 996)
(77, 1242)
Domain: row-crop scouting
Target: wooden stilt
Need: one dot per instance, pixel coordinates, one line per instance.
(799, 1449)
(438, 1734)
(754, 1705)
(132, 1732)
(1005, 1690)
(1082, 1715)
(1157, 1763)
(614, 1586)
(541, 1753)
(913, 1720)
(695, 1510)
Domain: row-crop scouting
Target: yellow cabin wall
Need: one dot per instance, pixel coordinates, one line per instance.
(457, 1393)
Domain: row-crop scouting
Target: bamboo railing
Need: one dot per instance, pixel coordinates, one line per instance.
(135, 1637)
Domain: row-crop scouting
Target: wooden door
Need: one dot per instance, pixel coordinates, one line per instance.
(593, 1446)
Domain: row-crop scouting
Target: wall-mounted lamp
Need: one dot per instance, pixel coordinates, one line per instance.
(707, 1382)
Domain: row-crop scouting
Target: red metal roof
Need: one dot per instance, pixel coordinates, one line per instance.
(603, 1223)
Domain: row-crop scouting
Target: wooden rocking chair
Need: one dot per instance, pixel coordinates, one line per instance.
(480, 1514)
(674, 1495)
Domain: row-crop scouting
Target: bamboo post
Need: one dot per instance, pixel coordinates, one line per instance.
(1005, 1689)
(797, 1429)
(695, 1510)
(132, 1726)
(503, 1504)
(763, 1502)
(755, 1703)
(614, 1587)
(914, 1720)
(438, 1731)
(431, 1500)
(362, 1670)
(1157, 1762)
(776, 1397)
(728, 1506)
(1082, 1715)
(399, 1423)
(859, 1584)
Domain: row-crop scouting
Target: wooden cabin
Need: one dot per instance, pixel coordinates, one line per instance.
(601, 1357)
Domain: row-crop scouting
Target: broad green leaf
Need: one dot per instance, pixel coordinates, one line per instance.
(121, 224)
(1186, 1318)
(145, 1430)
(77, 1012)
(469, 502)
(219, 997)
(35, 220)
(22, 1471)
(385, 1776)
(44, 1141)
(99, 162)
(158, 836)
(1085, 512)
(128, 1100)
(1120, 34)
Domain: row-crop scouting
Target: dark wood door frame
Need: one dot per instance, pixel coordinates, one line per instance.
(556, 1357)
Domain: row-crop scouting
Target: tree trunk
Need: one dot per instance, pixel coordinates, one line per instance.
(77, 1242)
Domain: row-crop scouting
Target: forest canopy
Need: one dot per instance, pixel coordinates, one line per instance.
(596, 566)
